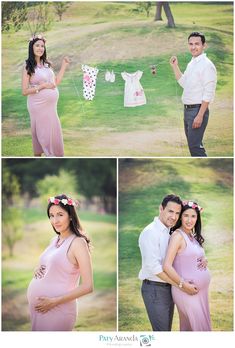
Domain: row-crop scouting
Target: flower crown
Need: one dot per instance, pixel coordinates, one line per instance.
(193, 205)
(39, 36)
(65, 201)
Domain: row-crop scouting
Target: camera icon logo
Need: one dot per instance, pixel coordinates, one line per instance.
(145, 340)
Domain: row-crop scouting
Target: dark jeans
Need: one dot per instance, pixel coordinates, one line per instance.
(159, 305)
(195, 135)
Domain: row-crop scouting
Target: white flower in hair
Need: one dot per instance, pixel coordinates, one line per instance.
(64, 201)
(52, 199)
(190, 203)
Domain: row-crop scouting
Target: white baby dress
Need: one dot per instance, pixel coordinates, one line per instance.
(134, 93)
(89, 81)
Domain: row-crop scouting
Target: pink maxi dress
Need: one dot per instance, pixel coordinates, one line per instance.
(45, 124)
(60, 277)
(194, 313)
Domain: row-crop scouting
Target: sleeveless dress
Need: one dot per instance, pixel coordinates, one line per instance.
(45, 124)
(60, 277)
(134, 92)
(194, 313)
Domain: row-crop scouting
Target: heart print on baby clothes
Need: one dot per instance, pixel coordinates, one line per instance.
(89, 81)
(134, 93)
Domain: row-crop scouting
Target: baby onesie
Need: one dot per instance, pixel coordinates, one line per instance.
(89, 81)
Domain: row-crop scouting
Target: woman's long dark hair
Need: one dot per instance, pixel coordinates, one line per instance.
(31, 62)
(197, 227)
(75, 225)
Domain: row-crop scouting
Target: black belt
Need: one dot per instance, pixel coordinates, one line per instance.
(151, 282)
(192, 106)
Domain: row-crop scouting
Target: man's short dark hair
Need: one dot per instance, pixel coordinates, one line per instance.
(171, 198)
(197, 34)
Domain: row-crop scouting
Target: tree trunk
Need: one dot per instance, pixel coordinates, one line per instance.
(158, 14)
(171, 23)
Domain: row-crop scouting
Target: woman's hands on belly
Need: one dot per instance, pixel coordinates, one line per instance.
(45, 304)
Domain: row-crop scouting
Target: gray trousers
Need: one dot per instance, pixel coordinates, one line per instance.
(159, 305)
(195, 135)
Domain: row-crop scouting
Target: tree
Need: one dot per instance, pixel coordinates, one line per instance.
(12, 227)
(35, 14)
(39, 18)
(97, 178)
(94, 177)
(51, 185)
(158, 14)
(146, 6)
(14, 15)
(170, 18)
(11, 210)
(61, 8)
(167, 10)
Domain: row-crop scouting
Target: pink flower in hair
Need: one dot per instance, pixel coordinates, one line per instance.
(56, 201)
(70, 201)
(75, 203)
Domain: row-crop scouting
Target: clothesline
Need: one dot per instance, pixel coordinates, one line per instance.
(156, 65)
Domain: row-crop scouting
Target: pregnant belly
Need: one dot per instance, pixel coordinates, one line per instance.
(44, 288)
(43, 98)
(200, 278)
(40, 287)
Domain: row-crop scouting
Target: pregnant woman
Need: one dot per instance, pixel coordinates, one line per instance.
(184, 254)
(39, 83)
(53, 291)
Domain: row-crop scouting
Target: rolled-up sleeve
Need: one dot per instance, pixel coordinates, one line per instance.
(181, 81)
(151, 254)
(209, 80)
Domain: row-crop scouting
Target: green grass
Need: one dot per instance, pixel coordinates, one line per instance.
(142, 184)
(18, 271)
(103, 127)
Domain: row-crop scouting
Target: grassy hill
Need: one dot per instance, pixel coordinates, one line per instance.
(114, 36)
(142, 185)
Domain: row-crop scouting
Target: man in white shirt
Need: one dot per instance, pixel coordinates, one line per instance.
(156, 285)
(199, 84)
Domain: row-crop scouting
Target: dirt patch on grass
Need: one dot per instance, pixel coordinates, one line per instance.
(143, 143)
(119, 41)
(11, 127)
(14, 311)
(97, 311)
(123, 46)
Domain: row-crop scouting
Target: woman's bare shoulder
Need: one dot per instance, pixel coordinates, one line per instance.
(79, 242)
(176, 236)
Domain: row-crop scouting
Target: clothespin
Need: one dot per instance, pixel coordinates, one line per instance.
(153, 69)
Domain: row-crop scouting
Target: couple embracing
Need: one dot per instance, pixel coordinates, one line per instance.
(174, 267)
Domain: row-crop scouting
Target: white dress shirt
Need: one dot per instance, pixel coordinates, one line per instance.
(153, 243)
(199, 81)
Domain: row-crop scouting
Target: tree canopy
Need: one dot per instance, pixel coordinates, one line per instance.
(94, 177)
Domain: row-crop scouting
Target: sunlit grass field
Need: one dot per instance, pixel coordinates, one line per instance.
(114, 37)
(96, 311)
(142, 185)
